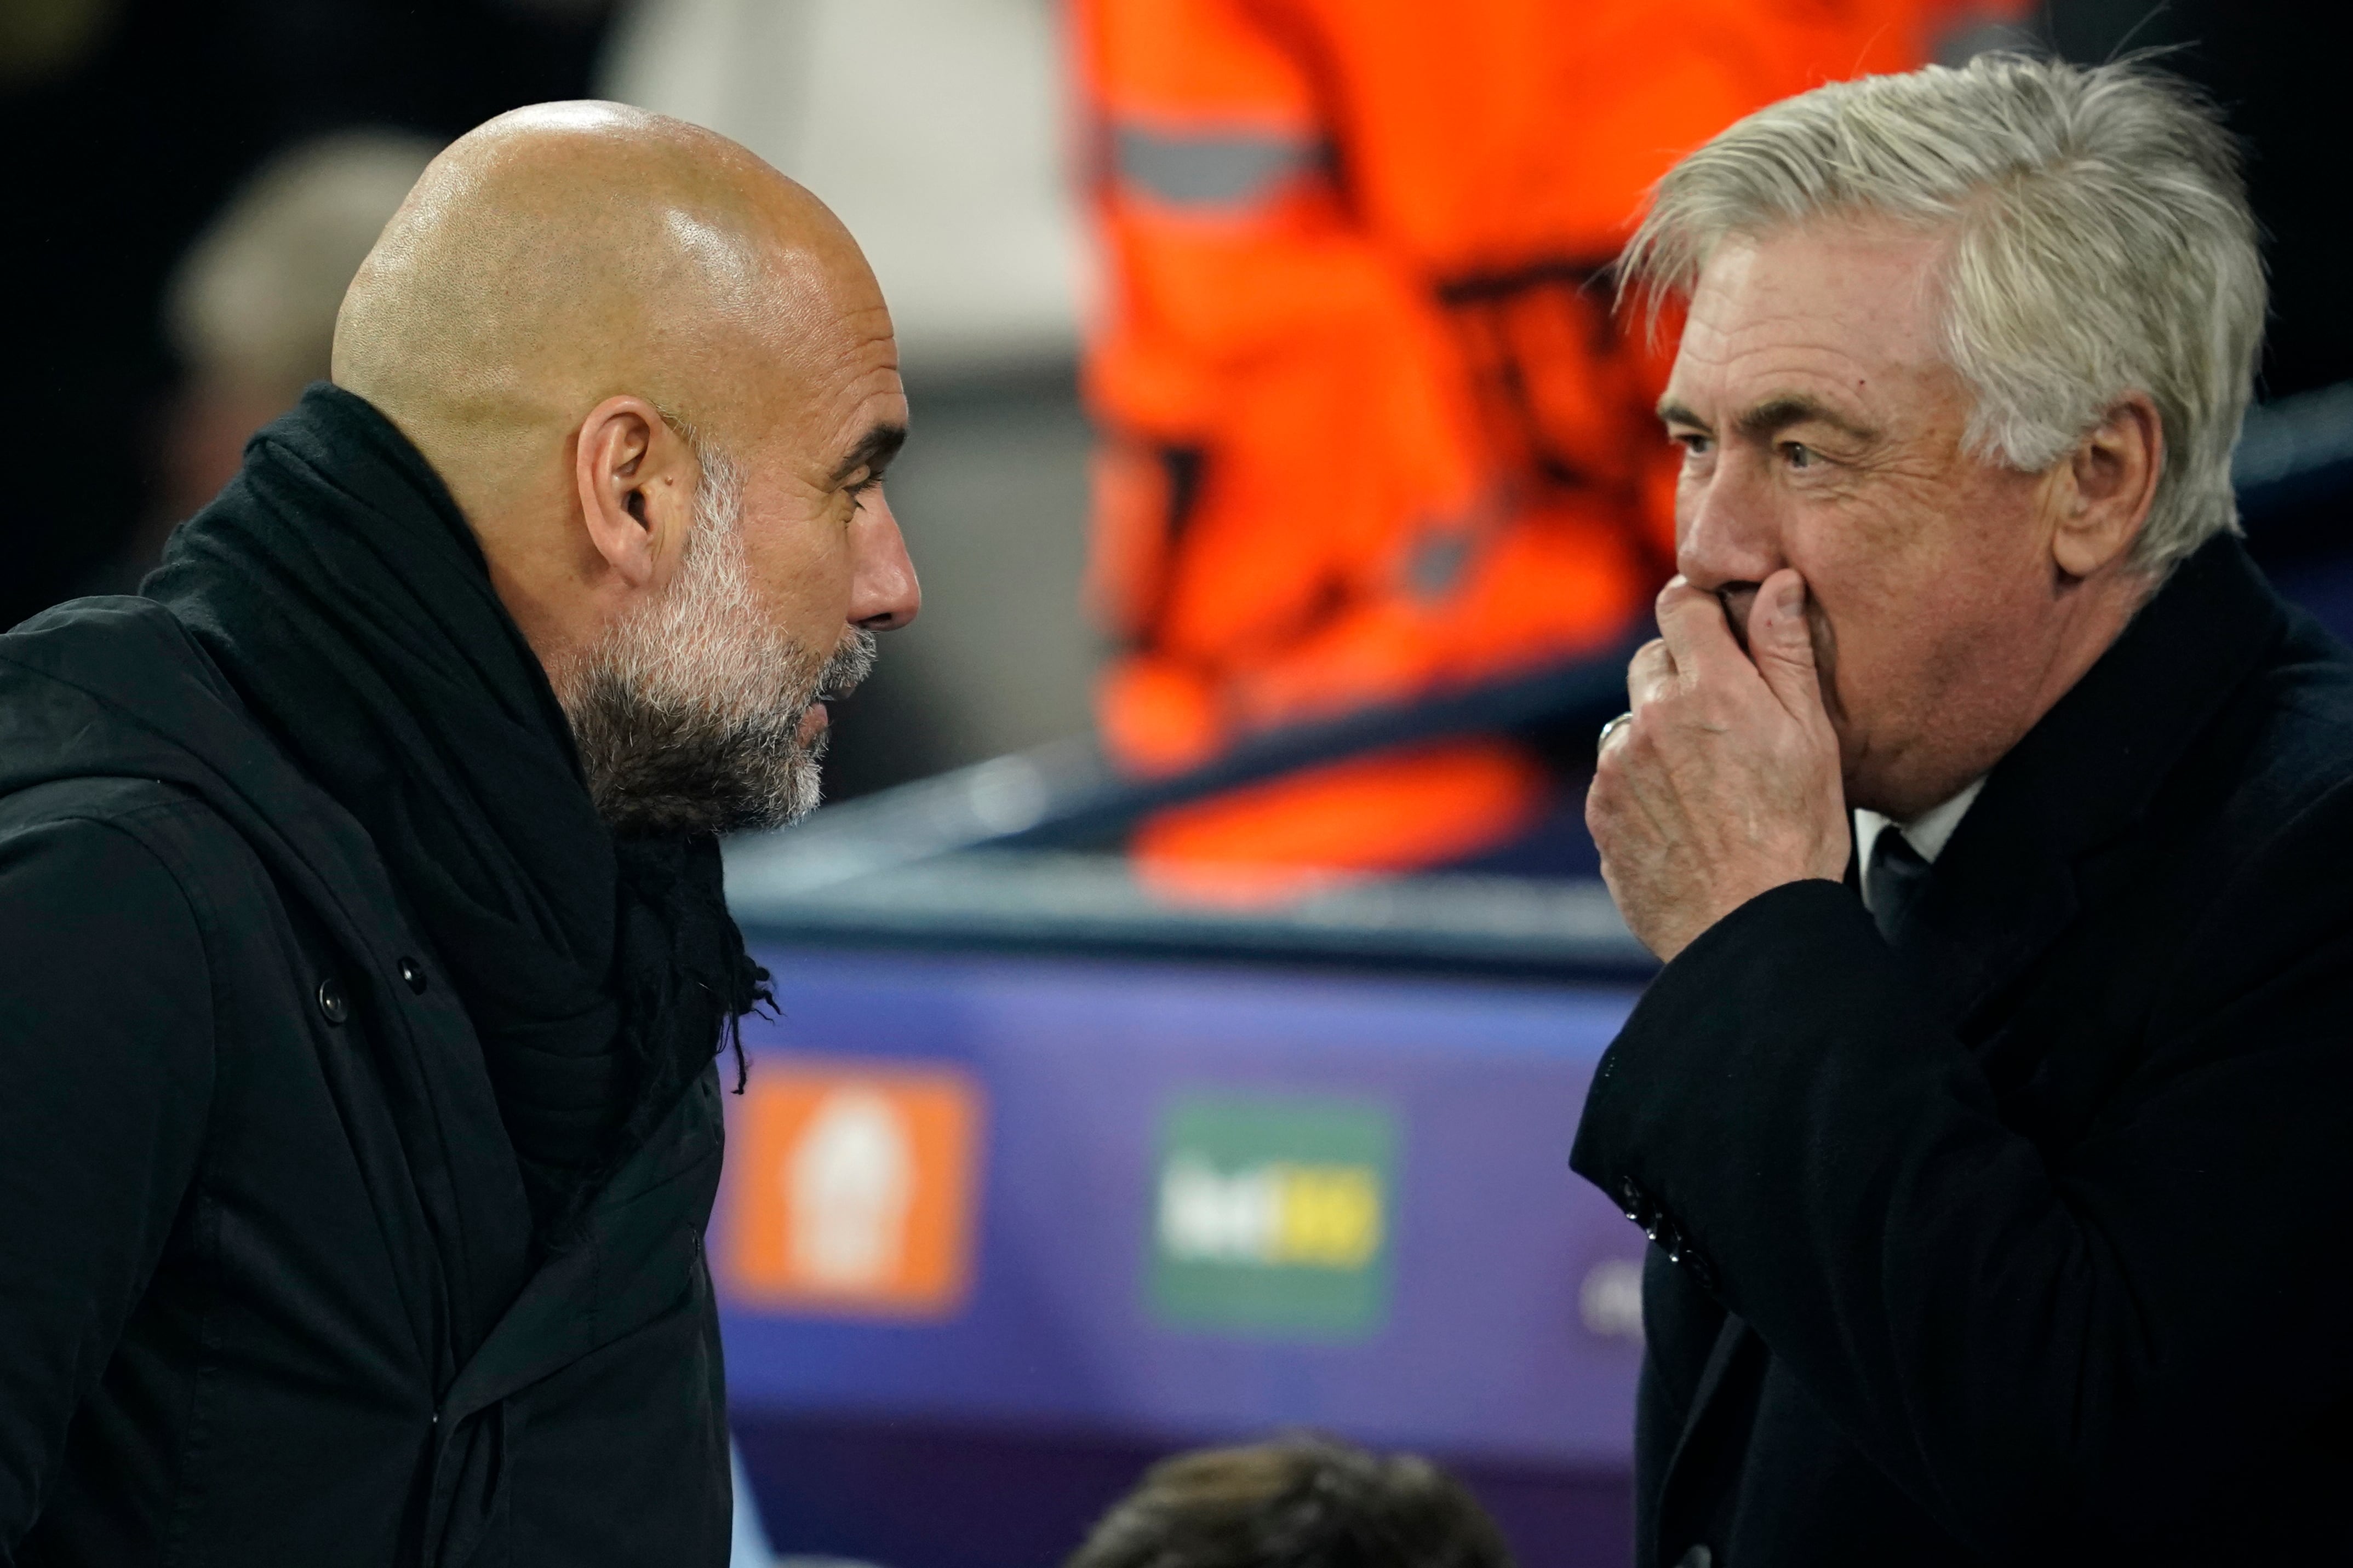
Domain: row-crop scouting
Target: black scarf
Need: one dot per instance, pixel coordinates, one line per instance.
(341, 590)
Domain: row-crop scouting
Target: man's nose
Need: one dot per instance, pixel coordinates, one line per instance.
(883, 592)
(1726, 531)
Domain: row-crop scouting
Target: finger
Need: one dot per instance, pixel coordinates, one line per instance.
(1650, 675)
(1782, 644)
(1693, 625)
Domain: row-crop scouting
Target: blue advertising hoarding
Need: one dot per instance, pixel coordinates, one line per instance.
(1184, 1202)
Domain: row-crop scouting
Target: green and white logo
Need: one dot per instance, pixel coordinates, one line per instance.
(1274, 1214)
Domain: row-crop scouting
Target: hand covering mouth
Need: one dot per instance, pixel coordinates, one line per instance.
(1738, 599)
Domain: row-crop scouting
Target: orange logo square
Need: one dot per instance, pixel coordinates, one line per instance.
(851, 1187)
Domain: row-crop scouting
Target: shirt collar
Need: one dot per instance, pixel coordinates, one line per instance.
(1928, 833)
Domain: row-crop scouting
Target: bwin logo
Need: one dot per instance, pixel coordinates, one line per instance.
(1272, 1213)
(1315, 1217)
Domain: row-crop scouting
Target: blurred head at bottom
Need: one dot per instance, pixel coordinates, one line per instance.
(1299, 1502)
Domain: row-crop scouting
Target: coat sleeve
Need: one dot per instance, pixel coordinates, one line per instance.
(106, 1063)
(2103, 1337)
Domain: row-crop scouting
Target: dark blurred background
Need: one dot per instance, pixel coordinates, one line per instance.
(2275, 66)
(132, 123)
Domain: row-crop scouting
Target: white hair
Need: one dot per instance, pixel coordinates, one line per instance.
(2101, 244)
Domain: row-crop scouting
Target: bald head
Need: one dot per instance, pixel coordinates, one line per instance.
(605, 330)
(567, 252)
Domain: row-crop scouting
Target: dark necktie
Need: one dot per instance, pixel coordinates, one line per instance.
(1893, 880)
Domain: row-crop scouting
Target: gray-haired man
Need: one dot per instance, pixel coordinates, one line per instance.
(2000, 1210)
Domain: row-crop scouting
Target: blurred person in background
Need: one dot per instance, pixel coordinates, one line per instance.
(1302, 1503)
(250, 309)
(1990, 812)
(368, 952)
(1370, 429)
(135, 121)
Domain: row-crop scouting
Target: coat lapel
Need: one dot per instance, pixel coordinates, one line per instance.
(632, 1258)
(635, 1258)
(2005, 888)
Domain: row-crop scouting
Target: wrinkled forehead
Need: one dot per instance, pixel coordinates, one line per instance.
(1841, 296)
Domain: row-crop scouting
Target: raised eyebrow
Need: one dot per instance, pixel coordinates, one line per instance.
(1777, 414)
(874, 452)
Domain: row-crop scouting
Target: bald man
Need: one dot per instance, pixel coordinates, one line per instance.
(366, 958)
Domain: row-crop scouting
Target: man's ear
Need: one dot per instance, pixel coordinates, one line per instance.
(2106, 488)
(635, 478)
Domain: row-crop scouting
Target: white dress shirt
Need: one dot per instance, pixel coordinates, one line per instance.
(1927, 833)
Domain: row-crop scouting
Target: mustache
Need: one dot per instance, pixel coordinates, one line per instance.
(852, 662)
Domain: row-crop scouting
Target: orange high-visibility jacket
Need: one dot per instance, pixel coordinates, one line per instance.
(1372, 425)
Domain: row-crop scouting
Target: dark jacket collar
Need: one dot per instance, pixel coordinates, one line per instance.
(2004, 887)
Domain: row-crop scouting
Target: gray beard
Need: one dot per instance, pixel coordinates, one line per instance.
(688, 713)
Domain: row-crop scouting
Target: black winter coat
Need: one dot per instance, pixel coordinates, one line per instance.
(2025, 1239)
(239, 1321)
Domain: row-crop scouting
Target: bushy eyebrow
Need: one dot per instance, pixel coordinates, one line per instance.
(1761, 421)
(873, 452)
